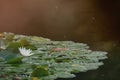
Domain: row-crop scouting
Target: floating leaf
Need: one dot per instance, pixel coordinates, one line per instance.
(65, 75)
(35, 78)
(24, 42)
(17, 60)
(51, 59)
(10, 57)
(7, 54)
(14, 46)
(8, 36)
(40, 72)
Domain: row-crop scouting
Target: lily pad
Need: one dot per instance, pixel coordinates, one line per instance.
(50, 59)
(40, 72)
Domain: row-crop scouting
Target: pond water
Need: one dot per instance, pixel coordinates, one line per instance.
(96, 23)
(109, 71)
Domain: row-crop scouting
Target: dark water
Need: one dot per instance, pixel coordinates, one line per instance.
(95, 22)
(109, 71)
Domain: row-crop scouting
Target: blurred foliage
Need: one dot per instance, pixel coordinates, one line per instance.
(51, 59)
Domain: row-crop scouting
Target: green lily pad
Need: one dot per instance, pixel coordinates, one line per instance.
(50, 59)
(40, 72)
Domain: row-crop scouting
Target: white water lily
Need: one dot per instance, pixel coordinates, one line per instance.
(25, 52)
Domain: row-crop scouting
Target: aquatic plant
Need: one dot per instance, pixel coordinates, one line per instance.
(25, 52)
(44, 59)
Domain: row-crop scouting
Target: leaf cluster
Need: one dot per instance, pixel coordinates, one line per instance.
(51, 59)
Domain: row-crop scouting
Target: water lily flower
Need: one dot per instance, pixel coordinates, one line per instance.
(25, 52)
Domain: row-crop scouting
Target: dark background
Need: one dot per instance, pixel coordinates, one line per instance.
(95, 22)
